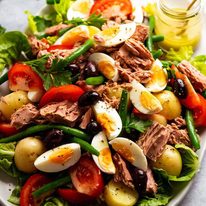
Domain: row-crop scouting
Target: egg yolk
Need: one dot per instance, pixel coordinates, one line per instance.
(110, 33)
(93, 30)
(75, 35)
(149, 102)
(107, 69)
(61, 155)
(82, 7)
(124, 151)
(106, 122)
(105, 159)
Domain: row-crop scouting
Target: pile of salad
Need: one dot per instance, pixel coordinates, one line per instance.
(95, 113)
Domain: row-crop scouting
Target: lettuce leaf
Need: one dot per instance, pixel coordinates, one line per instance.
(184, 53)
(11, 45)
(190, 165)
(157, 200)
(199, 62)
(150, 9)
(2, 30)
(15, 196)
(6, 159)
(54, 201)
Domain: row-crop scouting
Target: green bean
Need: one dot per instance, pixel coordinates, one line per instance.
(52, 1)
(86, 46)
(191, 130)
(123, 107)
(4, 78)
(157, 38)
(41, 128)
(157, 54)
(51, 186)
(86, 146)
(149, 42)
(63, 31)
(95, 80)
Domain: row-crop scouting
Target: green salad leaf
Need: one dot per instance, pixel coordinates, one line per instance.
(199, 62)
(6, 159)
(184, 53)
(190, 165)
(15, 196)
(54, 201)
(12, 44)
(2, 30)
(157, 200)
(134, 122)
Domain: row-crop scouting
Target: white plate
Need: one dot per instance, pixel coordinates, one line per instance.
(7, 183)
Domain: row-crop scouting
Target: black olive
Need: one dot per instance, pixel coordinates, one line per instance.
(139, 179)
(88, 98)
(93, 128)
(180, 89)
(90, 70)
(74, 68)
(53, 138)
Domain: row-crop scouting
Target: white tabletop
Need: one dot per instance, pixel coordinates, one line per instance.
(13, 18)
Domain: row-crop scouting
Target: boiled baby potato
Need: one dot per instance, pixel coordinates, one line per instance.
(170, 161)
(11, 102)
(170, 103)
(26, 152)
(117, 194)
(158, 118)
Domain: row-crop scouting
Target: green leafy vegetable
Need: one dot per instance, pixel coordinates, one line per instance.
(15, 196)
(157, 200)
(199, 62)
(93, 20)
(54, 201)
(61, 9)
(150, 9)
(2, 30)
(6, 159)
(134, 122)
(184, 53)
(11, 45)
(190, 165)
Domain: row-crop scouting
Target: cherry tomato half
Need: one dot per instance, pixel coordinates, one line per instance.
(86, 177)
(7, 129)
(60, 47)
(22, 77)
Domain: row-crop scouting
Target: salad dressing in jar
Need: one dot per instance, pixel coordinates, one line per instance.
(180, 23)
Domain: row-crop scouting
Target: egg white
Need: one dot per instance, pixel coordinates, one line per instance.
(130, 151)
(137, 11)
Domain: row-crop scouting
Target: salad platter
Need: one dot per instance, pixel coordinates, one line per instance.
(180, 181)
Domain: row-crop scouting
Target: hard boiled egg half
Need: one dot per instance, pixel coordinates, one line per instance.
(77, 34)
(117, 34)
(130, 151)
(108, 118)
(143, 100)
(158, 80)
(59, 158)
(106, 65)
(137, 11)
(104, 160)
(80, 8)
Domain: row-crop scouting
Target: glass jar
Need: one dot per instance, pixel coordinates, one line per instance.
(180, 23)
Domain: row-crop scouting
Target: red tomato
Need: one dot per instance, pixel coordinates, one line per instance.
(101, 5)
(7, 129)
(61, 47)
(22, 77)
(34, 182)
(199, 113)
(74, 196)
(86, 177)
(56, 94)
(192, 100)
(136, 111)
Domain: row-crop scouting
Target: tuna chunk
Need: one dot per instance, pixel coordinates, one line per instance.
(153, 141)
(141, 33)
(86, 119)
(24, 116)
(151, 184)
(61, 112)
(197, 79)
(122, 173)
(53, 30)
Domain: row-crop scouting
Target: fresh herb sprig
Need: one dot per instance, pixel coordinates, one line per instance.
(93, 20)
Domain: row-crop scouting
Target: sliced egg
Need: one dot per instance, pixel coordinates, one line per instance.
(108, 118)
(35, 95)
(117, 34)
(59, 158)
(158, 80)
(106, 65)
(130, 151)
(143, 100)
(104, 160)
(80, 9)
(137, 11)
